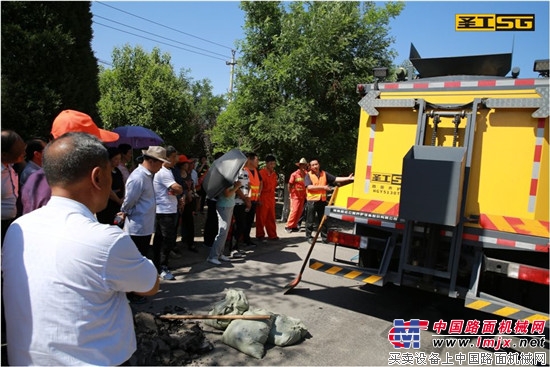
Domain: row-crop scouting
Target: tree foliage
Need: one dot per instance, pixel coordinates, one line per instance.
(295, 87)
(142, 89)
(47, 64)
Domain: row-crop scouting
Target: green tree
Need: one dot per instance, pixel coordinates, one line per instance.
(295, 87)
(206, 109)
(142, 89)
(47, 64)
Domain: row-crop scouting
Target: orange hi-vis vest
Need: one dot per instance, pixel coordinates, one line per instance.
(254, 184)
(317, 194)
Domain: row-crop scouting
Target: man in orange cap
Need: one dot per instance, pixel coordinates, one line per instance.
(36, 192)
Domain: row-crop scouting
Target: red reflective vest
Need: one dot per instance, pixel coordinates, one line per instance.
(317, 194)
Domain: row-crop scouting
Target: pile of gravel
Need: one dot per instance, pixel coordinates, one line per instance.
(162, 342)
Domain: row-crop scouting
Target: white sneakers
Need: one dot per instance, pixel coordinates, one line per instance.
(213, 260)
(237, 255)
(224, 258)
(166, 275)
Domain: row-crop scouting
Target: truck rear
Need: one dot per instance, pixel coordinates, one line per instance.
(451, 187)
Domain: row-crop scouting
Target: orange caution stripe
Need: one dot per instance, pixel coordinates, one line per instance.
(530, 227)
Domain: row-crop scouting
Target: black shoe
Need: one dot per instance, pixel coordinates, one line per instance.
(288, 230)
(250, 244)
(310, 240)
(135, 299)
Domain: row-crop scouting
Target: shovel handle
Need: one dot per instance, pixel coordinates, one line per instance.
(215, 317)
(318, 230)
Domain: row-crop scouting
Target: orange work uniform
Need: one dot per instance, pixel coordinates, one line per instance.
(265, 212)
(297, 188)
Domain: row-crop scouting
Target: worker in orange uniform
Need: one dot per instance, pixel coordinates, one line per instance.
(265, 211)
(318, 182)
(297, 188)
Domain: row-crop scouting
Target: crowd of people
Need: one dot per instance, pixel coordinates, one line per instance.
(84, 232)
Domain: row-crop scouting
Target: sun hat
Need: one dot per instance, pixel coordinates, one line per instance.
(182, 158)
(302, 161)
(76, 121)
(156, 152)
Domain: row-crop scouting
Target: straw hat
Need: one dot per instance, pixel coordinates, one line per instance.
(302, 161)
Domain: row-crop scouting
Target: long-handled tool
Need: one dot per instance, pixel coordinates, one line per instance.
(215, 317)
(296, 280)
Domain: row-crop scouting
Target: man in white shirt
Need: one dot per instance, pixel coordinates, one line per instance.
(166, 188)
(65, 274)
(139, 206)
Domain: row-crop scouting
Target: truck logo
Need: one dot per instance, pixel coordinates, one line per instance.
(387, 178)
(494, 22)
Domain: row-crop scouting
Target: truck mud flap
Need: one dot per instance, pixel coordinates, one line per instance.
(347, 272)
(504, 309)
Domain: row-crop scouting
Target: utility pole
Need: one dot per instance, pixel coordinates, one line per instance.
(232, 63)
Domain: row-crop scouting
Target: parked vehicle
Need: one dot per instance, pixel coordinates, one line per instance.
(451, 191)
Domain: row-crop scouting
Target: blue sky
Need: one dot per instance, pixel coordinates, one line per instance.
(199, 35)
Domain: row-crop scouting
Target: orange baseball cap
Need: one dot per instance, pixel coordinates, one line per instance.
(71, 121)
(182, 158)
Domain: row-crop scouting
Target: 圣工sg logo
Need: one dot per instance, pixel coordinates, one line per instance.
(494, 22)
(406, 334)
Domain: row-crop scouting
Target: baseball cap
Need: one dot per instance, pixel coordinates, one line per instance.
(75, 121)
(182, 158)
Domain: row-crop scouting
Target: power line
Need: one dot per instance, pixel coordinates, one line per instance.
(162, 25)
(104, 62)
(156, 35)
(164, 43)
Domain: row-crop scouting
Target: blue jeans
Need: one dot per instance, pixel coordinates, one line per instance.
(224, 221)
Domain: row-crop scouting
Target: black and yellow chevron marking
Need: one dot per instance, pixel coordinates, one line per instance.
(346, 272)
(504, 310)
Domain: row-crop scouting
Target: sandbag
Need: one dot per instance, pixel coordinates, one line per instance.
(286, 330)
(249, 336)
(235, 303)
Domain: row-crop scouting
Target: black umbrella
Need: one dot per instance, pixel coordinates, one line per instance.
(223, 172)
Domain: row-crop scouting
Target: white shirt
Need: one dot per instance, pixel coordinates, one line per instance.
(124, 170)
(245, 188)
(65, 279)
(139, 203)
(166, 203)
(195, 177)
(10, 191)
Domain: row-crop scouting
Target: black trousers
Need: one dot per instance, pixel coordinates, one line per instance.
(243, 222)
(165, 238)
(315, 211)
(142, 244)
(188, 225)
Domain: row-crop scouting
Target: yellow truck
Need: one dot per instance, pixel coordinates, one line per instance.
(451, 186)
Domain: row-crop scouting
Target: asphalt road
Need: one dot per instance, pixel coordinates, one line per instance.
(348, 321)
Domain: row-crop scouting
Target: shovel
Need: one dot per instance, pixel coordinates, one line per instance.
(296, 280)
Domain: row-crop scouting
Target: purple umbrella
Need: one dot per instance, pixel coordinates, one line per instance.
(136, 136)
